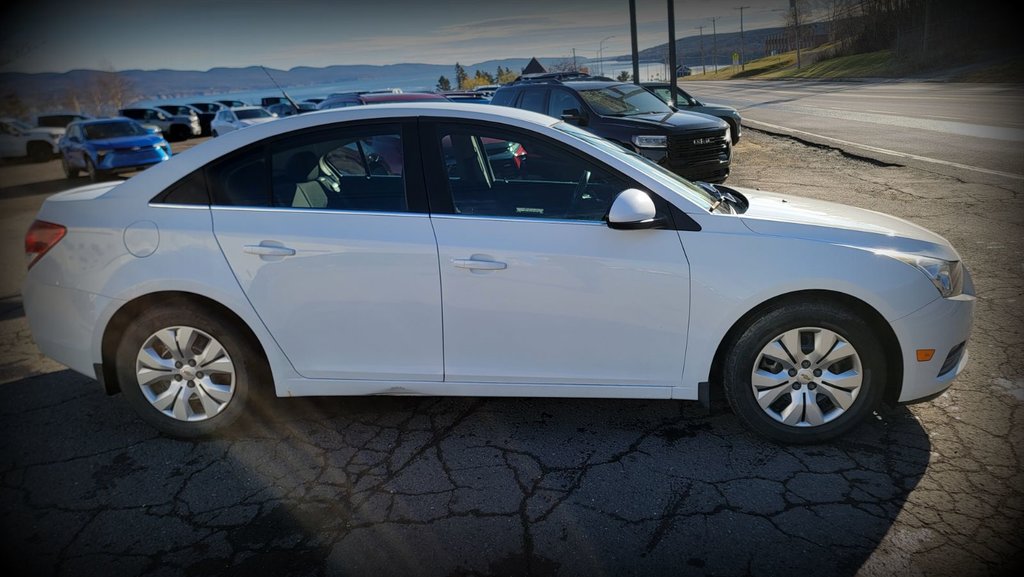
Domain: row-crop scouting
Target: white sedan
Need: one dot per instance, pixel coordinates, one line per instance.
(458, 249)
(231, 119)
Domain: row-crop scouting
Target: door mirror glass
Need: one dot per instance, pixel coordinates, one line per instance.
(633, 209)
(574, 116)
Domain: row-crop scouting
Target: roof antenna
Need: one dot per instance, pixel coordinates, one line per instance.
(295, 106)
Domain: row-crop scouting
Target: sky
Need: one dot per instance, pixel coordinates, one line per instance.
(61, 35)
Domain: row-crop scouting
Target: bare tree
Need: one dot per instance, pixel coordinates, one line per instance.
(106, 92)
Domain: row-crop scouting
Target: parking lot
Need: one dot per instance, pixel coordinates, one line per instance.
(473, 486)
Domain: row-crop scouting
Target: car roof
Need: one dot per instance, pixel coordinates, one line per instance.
(92, 121)
(400, 97)
(248, 108)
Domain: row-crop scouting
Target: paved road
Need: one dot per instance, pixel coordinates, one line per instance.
(946, 127)
(460, 487)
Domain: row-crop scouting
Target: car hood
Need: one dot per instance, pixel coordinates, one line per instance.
(127, 141)
(47, 131)
(810, 219)
(714, 109)
(676, 120)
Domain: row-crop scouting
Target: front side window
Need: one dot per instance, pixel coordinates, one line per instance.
(501, 173)
(560, 101)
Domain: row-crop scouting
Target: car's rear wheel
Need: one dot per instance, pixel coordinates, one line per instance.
(39, 151)
(185, 370)
(69, 171)
(805, 372)
(179, 132)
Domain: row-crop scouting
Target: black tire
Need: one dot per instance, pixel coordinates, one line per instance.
(39, 151)
(248, 367)
(95, 174)
(69, 171)
(179, 132)
(764, 329)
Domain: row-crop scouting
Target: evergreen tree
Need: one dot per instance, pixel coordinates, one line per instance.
(443, 84)
(460, 76)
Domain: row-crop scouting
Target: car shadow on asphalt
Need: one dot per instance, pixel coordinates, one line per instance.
(441, 486)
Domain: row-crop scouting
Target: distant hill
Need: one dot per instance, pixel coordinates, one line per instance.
(158, 84)
(688, 48)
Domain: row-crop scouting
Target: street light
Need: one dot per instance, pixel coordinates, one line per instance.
(600, 53)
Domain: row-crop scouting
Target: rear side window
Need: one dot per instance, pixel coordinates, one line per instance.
(359, 168)
(533, 100)
(504, 97)
(241, 180)
(189, 190)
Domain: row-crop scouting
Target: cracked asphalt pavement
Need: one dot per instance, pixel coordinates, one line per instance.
(471, 486)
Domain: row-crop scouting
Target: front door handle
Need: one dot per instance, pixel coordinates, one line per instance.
(266, 249)
(475, 263)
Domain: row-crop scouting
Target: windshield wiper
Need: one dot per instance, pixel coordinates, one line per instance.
(719, 196)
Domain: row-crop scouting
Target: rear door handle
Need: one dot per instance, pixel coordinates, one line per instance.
(475, 263)
(266, 249)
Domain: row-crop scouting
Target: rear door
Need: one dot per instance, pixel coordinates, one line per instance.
(328, 235)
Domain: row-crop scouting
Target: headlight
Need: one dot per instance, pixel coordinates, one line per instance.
(947, 276)
(728, 134)
(644, 141)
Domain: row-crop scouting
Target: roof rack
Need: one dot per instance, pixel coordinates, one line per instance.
(557, 77)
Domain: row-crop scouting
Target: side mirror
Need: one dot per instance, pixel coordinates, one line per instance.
(633, 210)
(574, 116)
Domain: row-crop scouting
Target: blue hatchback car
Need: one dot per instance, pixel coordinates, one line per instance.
(107, 146)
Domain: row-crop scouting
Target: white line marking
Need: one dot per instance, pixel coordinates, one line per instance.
(784, 129)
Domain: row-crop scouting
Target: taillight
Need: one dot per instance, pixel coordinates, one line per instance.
(40, 238)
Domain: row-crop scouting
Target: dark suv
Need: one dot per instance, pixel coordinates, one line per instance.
(695, 146)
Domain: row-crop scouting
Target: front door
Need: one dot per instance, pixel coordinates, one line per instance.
(536, 288)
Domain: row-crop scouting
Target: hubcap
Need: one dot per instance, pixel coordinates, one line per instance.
(185, 373)
(806, 377)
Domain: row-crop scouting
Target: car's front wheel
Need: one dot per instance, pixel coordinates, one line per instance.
(805, 372)
(95, 174)
(185, 370)
(69, 171)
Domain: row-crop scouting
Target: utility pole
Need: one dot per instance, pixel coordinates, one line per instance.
(632, 34)
(743, 60)
(600, 53)
(796, 27)
(714, 42)
(673, 90)
(703, 63)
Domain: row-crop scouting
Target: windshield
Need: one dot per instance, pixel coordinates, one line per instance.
(113, 130)
(624, 100)
(252, 113)
(673, 181)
